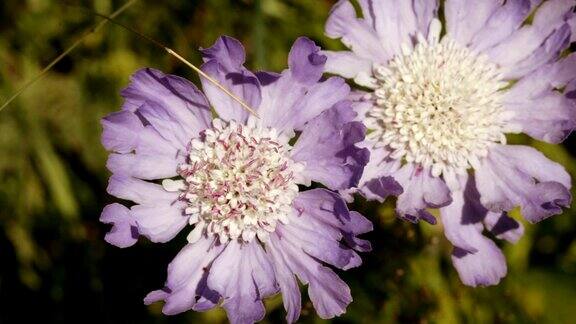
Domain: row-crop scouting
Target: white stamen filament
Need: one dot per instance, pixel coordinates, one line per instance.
(238, 182)
(438, 105)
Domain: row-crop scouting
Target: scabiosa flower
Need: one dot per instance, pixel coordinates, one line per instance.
(232, 183)
(438, 107)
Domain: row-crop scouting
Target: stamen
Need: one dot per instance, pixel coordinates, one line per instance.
(439, 106)
(239, 182)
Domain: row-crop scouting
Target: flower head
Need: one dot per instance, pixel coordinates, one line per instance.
(238, 182)
(439, 106)
(232, 182)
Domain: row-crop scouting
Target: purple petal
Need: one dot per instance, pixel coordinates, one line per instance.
(505, 20)
(539, 109)
(251, 280)
(182, 102)
(294, 98)
(321, 245)
(328, 293)
(364, 226)
(186, 284)
(139, 191)
(329, 211)
(156, 296)
(160, 223)
(288, 105)
(483, 268)
(425, 11)
(305, 62)
(477, 259)
(553, 197)
(329, 208)
(392, 22)
(472, 212)
(348, 64)
(327, 146)
(462, 219)
(166, 125)
(121, 132)
(243, 84)
(380, 188)
(549, 118)
(355, 33)
(499, 223)
(570, 90)
(266, 78)
(421, 191)
(534, 163)
(145, 154)
(159, 214)
(318, 98)
(227, 51)
(377, 182)
(224, 63)
(553, 11)
(124, 232)
(541, 41)
(464, 19)
(572, 23)
(504, 227)
(288, 285)
(549, 51)
(145, 166)
(543, 80)
(396, 22)
(521, 176)
(362, 102)
(319, 239)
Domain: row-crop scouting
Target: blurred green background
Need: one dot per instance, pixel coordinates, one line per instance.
(56, 267)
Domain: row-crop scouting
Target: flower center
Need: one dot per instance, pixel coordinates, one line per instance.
(438, 105)
(238, 182)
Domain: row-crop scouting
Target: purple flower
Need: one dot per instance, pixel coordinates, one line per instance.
(233, 183)
(438, 109)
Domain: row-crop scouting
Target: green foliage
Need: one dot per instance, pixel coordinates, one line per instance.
(53, 179)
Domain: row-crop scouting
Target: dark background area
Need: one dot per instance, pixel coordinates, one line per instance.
(54, 264)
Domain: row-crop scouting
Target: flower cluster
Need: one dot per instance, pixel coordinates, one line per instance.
(438, 101)
(439, 105)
